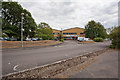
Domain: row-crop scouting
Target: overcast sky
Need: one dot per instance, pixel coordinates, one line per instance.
(72, 13)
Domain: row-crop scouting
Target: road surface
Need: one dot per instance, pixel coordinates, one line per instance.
(106, 66)
(21, 59)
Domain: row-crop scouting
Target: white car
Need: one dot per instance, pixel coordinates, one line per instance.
(83, 39)
(1, 39)
(28, 39)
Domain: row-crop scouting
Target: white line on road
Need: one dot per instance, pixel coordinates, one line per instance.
(14, 68)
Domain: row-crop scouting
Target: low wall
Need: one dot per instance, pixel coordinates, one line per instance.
(49, 70)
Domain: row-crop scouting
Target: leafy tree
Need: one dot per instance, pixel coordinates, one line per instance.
(109, 30)
(93, 30)
(44, 31)
(115, 36)
(60, 36)
(11, 16)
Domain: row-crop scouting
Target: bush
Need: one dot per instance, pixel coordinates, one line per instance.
(115, 36)
(62, 40)
(65, 39)
(112, 46)
(98, 39)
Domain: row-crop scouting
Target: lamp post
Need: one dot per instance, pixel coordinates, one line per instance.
(22, 30)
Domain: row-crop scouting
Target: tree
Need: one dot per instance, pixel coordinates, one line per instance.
(115, 36)
(11, 18)
(44, 31)
(109, 30)
(93, 30)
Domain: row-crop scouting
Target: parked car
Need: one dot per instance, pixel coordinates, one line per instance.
(6, 38)
(56, 39)
(35, 39)
(80, 39)
(86, 39)
(1, 39)
(107, 39)
(28, 39)
(14, 39)
(83, 39)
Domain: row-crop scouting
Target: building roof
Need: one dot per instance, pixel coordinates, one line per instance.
(69, 28)
(56, 29)
(73, 28)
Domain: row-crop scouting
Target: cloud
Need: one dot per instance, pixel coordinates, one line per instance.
(72, 13)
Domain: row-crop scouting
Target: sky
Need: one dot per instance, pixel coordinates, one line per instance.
(64, 14)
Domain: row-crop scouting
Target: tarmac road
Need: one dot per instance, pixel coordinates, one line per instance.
(21, 59)
(106, 66)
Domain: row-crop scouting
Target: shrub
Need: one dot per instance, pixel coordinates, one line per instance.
(62, 40)
(65, 39)
(115, 36)
(59, 39)
(98, 39)
(112, 46)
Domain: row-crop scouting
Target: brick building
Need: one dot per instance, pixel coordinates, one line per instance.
(69, 34)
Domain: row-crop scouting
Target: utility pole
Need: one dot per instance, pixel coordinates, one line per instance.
(22, 29)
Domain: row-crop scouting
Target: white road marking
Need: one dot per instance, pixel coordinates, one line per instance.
(14, 68)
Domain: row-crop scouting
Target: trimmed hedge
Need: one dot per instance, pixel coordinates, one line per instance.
(98, 39)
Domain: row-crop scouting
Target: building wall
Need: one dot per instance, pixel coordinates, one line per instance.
(71, 33)
(56, 33)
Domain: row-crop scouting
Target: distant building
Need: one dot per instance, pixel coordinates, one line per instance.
(69, 34)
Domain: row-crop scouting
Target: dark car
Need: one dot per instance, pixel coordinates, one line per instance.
(7, 39)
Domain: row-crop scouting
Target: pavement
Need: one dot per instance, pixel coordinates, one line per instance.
(21, 59)
(105, 66)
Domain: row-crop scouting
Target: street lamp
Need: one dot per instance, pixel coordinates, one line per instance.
(22, 29)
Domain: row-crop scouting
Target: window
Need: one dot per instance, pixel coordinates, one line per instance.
(55, 33)
(81, 33)
(69, 33)
(65, 33)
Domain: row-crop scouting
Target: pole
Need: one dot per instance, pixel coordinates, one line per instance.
(22, 31)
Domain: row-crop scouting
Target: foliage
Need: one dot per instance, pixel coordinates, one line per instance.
(44, 31)
(60, 35)
(98, 39)
(11, 12)
(93, 30)
(65, 38)
(115, 36)
(62, 40)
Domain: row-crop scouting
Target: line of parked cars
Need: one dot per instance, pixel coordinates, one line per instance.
(4, 39)
(33, 39)
(15, 39)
